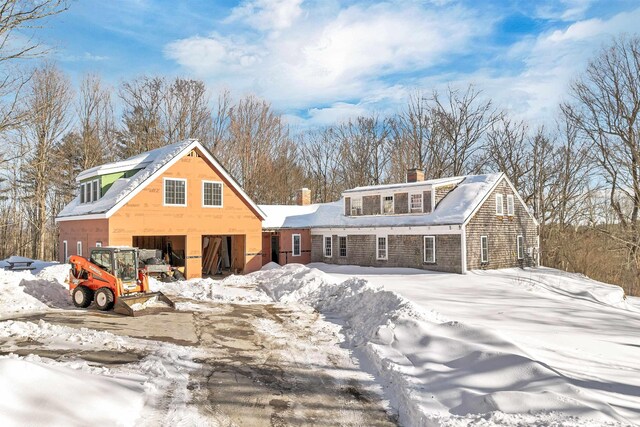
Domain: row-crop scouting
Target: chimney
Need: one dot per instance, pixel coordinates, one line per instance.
(303, 197)
(415, 175)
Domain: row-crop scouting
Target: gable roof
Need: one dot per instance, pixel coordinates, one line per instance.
(151, 165)
(455, 209)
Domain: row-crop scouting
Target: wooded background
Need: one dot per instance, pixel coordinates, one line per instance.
(580, 174)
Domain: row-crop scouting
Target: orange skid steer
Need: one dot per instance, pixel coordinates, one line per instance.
(112, 279)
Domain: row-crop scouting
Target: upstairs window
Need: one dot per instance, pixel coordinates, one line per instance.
(90, 191)
(429, 249)
(499, 204)
(175, 192)
(295, 245)
(356, 206)
(387, 205)
(415, 203)
(520, 246)
(484, 249)
(212, 194)
(510, 205)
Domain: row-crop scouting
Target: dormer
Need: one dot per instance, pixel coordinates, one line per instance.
(414, 197)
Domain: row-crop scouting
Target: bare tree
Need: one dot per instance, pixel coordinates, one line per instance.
(507, 150)
(48, 100)
(320, 156)
(96, 127)
(605, 107)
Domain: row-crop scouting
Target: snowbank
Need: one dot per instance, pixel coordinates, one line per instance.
(232, 289)
(34, 291)
(438, 372)
(36, 394)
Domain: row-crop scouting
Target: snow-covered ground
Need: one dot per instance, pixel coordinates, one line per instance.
(507, 347)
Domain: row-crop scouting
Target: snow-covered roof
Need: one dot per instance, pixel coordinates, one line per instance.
(455, 208)
(149, 164)
(408, 185)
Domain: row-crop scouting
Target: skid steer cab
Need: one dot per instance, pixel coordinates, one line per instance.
(112, 279)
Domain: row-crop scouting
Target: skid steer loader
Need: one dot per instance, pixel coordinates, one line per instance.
(111, 276)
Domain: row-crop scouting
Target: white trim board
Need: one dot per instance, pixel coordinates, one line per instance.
(392, 231)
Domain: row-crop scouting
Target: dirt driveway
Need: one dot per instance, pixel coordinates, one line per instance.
(261, 364)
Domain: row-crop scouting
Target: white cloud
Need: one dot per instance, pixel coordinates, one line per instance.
(267, 14)
(328, 55)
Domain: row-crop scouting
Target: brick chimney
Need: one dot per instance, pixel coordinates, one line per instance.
(415, 175)
(303, 197)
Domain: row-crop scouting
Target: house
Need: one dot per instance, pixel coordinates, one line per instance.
(176, 199)
(450, 224)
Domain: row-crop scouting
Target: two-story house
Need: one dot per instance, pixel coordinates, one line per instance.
(449, 224)
(177, 199)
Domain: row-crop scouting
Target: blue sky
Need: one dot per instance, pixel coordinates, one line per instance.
(319, 62)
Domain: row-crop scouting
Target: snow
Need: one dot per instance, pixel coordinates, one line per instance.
(452, 210)
(150, 161)
(229, 290)
(504, 347)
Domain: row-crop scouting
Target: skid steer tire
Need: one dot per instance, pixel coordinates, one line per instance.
(104, 299)
(178, 275)
(82, 296)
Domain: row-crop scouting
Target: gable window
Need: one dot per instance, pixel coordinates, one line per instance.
(387, 205)
(381, 247)
(79, 248)
(212, 194)
(342, 246)
(415, 203)
(520, 246)
(510, 205)
(356, 206)
(484, 249)
(499, 204)
(295, 244)
(175, 192)
(430, 249)
(327, 246)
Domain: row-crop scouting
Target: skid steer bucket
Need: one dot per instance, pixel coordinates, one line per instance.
(142, 304)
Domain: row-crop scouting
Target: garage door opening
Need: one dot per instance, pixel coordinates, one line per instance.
(222, 255)
(163, 256)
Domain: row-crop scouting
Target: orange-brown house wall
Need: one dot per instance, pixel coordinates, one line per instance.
(87, 231)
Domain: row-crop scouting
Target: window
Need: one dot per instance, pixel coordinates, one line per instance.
(387, 205)
(94, 190)
(342, 246)
(82, 200)
(381, 248)
(212, 194)
(79, 248)
(510, 205)
(126, 265)
(327, 246)
(430, 249)
(356, 206)
(87, 192)
(102, 259)
(415, 203)
(65, 251)
(520, 246)
(295, 245)
(499, 205)
(175, 192)
(484, 249)
(98, 244)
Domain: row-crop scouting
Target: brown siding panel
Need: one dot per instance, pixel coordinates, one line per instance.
(426, 201)
(371, 205)
(401, 203)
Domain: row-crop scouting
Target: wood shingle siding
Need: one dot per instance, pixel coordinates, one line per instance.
(442, 191)
(401, 203)
(426, 201)
(347, 206)
(371, 205)
(502, 232)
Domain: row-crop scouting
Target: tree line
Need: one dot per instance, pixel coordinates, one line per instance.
(580, 174)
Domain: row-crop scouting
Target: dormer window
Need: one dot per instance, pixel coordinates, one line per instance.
(90, 191)
(356, 206)
(415, 201)
(387, 205)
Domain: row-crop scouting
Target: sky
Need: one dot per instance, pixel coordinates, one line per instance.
(322, 61)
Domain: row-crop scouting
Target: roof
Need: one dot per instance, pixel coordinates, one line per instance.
(151, 164)
(454, 209)
(429, 182)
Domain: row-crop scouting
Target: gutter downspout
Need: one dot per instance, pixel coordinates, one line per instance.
(463, 247)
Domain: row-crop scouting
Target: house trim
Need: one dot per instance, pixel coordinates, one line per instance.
(426, 230)
(463, 250)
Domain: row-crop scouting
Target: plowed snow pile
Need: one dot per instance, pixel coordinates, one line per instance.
(24, 291)
(233, 289)
(439, 371)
